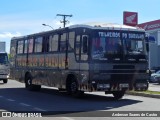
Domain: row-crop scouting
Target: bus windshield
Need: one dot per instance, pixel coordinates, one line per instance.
(116, 45)
(3, 58)
(103, 47)
(133, 46)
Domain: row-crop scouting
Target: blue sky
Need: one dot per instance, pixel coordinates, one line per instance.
(22, 17)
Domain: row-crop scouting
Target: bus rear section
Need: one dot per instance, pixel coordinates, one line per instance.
(4, 67)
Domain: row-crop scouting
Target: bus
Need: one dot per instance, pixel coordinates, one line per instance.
(4, 67)
(82, 58)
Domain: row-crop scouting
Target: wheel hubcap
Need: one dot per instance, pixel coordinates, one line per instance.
(29, 82)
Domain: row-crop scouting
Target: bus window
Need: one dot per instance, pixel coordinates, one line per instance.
(84, 44)
(31, 45)
(25, 46)
(71, 40)
(38, 45)
(84, 48)
(63, 42)
(20, 47)
(53, 43)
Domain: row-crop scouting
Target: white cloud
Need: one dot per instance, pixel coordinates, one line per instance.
(9, 35)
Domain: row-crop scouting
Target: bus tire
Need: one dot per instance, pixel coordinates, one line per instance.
(5, 80)
(118, 94)
(72, 87)
(30, 86)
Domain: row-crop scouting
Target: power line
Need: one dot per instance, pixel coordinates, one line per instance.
(64, 21)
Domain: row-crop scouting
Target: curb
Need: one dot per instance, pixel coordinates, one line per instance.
(143, 94)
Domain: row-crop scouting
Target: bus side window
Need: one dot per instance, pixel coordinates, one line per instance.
(84, 48)
(38, 45)
(53, 43)
(20, 47)
(25, 46)
(63, 42)
(71, 41)
(30, 45)
(84, 44)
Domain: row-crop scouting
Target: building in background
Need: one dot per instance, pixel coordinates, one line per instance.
(153, 28)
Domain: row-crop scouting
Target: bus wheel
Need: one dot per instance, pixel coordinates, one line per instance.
(118, 94)
(5, 80)
(72, 88)
(30, 86)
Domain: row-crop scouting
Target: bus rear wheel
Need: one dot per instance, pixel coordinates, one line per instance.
(30, 86)
(72, 87)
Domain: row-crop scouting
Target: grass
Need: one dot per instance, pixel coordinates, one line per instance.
(147, 92)
(151, 92)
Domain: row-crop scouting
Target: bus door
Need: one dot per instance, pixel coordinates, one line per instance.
(62, 59)
(82, 56)
(84, 64)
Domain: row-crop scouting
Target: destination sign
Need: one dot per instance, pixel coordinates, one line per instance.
(123, 35)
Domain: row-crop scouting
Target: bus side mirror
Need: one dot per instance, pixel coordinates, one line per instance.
(147, 47)
(85, 44)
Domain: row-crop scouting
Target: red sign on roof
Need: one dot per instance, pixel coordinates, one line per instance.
(152, 25)
(130, 18)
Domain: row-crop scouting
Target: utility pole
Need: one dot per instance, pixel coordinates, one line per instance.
(64, 18)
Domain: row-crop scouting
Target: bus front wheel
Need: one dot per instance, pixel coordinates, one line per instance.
(118, 94)
(5, 80)
(72, 87)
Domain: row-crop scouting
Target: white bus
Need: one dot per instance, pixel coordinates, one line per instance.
(4, 67)
(81, 58)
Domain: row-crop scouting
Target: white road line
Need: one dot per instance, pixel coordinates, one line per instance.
(1, 96)
(67, 118)
(24, 104)
(39, 109)
(11, 100)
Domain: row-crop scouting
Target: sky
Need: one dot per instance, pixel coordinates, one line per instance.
(23, 17)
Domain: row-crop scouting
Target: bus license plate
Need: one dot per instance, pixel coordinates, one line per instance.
(123, 85)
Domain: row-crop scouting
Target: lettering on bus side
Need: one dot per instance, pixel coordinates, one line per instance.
(35, 61)
(62, 62)
(51, 62)
(41, 61)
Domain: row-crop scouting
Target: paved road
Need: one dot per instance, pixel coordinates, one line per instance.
(13, 97)
(154, 87)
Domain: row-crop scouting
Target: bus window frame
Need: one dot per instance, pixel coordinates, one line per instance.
(32, 52)
(17, 51)
(51, 51)
(65, 42)
(37, 38)
(26, 52)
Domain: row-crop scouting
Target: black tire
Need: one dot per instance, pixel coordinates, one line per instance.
(30, 86)
(118, 94)
(72, 88)
(5, 80)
